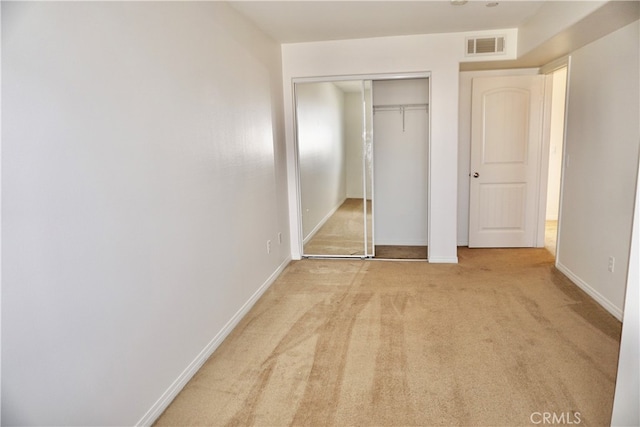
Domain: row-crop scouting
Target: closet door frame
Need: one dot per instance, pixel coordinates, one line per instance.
(296, 223)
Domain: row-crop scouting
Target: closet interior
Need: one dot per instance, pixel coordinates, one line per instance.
(362, 148)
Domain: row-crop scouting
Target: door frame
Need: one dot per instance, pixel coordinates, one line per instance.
(548, 70)
(296, 222)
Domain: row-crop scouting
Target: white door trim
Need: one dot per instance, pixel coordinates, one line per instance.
(548, 71)
(295, 221)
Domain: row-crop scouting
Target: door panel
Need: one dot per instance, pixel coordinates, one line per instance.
(509, 110)
(503, 206)
(367, 168)
(505, 155)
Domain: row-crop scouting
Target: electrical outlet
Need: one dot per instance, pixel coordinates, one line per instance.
(268, 246)
(612, 263)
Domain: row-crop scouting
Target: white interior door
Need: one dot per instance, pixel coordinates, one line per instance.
(506, 139)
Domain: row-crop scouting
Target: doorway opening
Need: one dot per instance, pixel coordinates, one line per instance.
(557, 105)
(401, 150)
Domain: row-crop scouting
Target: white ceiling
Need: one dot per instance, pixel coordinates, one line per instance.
(306, 21)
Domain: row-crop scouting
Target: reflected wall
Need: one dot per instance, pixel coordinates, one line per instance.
(333, 170)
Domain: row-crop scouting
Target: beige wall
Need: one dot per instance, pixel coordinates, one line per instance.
(322, 152)
(142, 164)
(601, 161)
(353, 136)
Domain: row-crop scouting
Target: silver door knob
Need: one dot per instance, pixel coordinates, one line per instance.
(476, 174)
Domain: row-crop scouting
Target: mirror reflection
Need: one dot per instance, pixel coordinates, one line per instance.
(335, 167)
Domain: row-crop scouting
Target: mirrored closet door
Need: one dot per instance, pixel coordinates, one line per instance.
(335, 167)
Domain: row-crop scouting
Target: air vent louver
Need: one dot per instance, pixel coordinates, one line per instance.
(485, 45)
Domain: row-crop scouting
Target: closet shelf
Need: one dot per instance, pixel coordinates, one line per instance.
(400, 107)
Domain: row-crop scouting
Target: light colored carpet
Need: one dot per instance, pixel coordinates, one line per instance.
(343, 233)
(487, 342)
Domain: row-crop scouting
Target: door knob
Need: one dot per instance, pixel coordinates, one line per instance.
(476, 174)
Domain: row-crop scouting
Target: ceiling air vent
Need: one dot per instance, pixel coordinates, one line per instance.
(485, 45)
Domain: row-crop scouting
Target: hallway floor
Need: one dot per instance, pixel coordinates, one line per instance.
(551, 236)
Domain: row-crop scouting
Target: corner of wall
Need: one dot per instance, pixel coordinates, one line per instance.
(174, 389)
(593, 293)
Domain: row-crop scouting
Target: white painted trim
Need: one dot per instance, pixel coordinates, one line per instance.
(1, 228)
(555, 65)
(368, 197)
(443, 260)
(383, 76)
(430, 169)
(321, 223)
(543, 171)
(548, 70)
(567, 62)
(296, 233)
(167, 397)
(605, 303)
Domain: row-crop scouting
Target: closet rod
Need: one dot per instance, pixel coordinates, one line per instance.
(401, 108)
(391, 107)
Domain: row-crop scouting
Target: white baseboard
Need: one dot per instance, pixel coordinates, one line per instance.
(443, 260)
(597, 296)
(167, 397)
